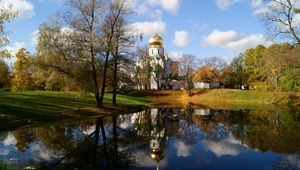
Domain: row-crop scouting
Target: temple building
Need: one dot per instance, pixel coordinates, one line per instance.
(155, 67)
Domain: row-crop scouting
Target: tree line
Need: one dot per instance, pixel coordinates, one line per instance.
(273, 68)
(89, 46)
(83, 47)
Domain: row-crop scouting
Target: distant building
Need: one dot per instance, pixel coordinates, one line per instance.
(201, 85)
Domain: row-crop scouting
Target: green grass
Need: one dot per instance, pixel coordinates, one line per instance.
(240, 96)
(246, 98)
(44, 106)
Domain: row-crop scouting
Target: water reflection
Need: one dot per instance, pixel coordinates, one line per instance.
(182, 138)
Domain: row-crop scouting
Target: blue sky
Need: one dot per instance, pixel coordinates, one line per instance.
(203, 28)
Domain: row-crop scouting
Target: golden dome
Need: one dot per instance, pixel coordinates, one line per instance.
(156, 41)
(157, 155)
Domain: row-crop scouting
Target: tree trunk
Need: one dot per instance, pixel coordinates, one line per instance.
(97, 130)
(104, 142)
(92, 53)
(114, 101)
(104, 78)
(115, 83)
(115, 139)
(96, 85)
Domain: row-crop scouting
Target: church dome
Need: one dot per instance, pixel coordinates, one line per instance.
(156, 41)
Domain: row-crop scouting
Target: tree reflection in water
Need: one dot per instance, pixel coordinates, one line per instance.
(132, 140)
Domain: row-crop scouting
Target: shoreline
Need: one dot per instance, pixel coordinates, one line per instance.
(35, 108)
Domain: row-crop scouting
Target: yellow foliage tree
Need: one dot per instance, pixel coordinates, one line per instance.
(22, 78)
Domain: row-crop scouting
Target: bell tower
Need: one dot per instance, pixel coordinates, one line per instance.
(156, 53)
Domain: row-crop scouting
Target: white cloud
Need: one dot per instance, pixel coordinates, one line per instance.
(225, 4)
(9, 140)
(149, 28)
(181, 38)
(233, 41)
(294, 159)
(261, 8)
(183, 150)
(15, 48)
(228, 146)
(219, 38)
(248, 42)
(256, 3)
(24, 7)
(175, 55)
(168, 5)
(128, 4)
(41, 152)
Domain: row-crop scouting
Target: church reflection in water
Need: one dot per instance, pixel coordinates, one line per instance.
(184, 138)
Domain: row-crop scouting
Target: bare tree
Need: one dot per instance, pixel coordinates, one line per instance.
(123, 41)
(279, 18)
(187, 67)
(113, 36)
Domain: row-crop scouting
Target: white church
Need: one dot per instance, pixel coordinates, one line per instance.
(158, 64)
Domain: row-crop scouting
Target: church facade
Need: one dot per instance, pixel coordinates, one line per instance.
(156, 66)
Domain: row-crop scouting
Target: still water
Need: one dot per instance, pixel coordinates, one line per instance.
(177, 138)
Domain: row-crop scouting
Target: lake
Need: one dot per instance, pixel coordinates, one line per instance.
(161, 138)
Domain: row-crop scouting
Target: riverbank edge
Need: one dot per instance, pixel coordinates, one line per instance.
(40, 108)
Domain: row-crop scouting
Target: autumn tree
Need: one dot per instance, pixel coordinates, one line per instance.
(45, 78)
(22, 79)
(254, 64)
(280, 19)
(187, 67)
(290, 79)
(211, 70)
(174, 69)
(236, 73)
(204, 74)
(4, 75)
(276, 62)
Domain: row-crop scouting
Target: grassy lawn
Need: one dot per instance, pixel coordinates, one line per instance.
(44, 106)
(246, 96)
(221, 98)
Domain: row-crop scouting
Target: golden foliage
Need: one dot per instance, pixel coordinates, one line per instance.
(22, 79)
